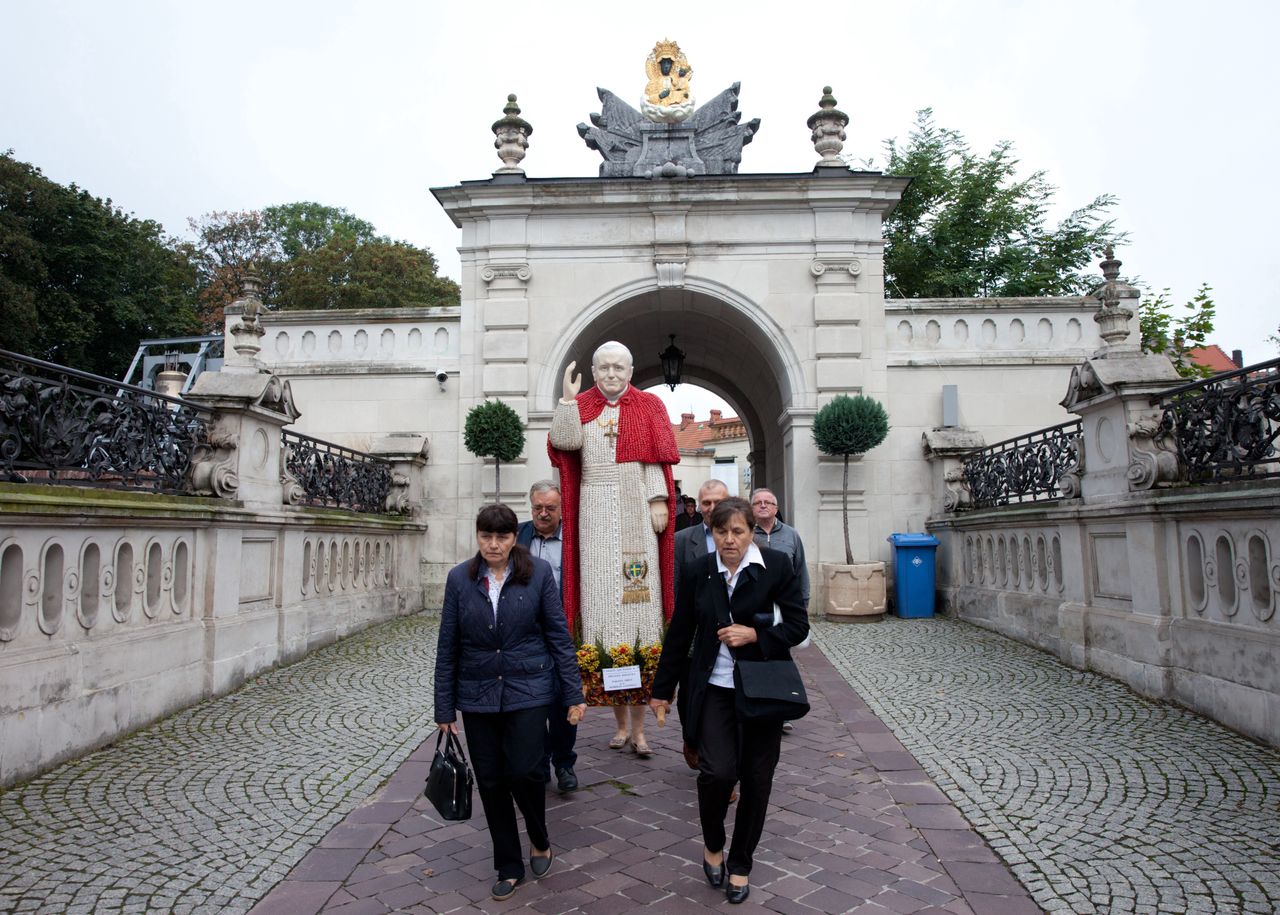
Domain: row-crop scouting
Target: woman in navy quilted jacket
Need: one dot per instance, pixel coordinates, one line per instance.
(503, 641)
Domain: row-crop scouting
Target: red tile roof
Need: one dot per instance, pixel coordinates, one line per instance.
(1212, 357)
(696, 435)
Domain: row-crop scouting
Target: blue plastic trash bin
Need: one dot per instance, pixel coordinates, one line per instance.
(913, 576)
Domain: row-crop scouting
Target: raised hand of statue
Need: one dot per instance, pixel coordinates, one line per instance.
(572, 382)
(659, 515)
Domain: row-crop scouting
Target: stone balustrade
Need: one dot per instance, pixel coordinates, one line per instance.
(1173, 591)
(990, 331)
(426, 337)
(119, 608)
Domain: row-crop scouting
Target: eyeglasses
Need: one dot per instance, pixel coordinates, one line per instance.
(762, 504)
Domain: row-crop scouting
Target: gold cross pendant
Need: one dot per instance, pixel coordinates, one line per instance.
(610, 427)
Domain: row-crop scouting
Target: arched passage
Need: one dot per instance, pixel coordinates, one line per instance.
(731, 348)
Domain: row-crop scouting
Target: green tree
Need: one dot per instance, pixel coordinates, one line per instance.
(848, 426)
(311, 256)
(297, 228)
(81, 280)
(493, 430)
(347, 273)
(228, 246)
(967, 226)
(1165, 332)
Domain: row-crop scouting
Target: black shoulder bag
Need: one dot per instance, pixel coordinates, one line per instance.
(449, 781)
(768, 690)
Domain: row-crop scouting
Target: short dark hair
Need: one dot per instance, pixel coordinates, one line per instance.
(723, 513)
(499, 519)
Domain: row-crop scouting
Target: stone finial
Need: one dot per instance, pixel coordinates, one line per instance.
(828, 124)
(512, 138)
(1113, 315)
(246, 333)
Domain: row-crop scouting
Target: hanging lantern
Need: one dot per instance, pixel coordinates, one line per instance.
(672, 363)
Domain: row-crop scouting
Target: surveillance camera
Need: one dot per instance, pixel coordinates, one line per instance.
(442, 376)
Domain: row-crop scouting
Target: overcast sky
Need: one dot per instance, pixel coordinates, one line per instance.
(178, 109)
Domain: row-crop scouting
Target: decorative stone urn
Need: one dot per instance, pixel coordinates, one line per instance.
(511, 138)
(855, 593)
(828, 124)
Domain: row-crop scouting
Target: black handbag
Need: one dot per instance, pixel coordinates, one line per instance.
(449, 781)
(769, 690)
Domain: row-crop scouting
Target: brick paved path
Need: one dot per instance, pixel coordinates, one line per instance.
(1099, 800)
(855, 826)
(206, 811)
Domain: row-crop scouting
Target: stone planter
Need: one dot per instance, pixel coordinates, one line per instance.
(855, 593)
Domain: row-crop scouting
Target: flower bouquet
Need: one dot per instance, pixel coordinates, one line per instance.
(593, 659)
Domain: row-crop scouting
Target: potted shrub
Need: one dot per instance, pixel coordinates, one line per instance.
(493, 430)
(850, 426)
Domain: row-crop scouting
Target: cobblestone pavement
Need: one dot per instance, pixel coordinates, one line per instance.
(1100, 800)
(209, 809)
(855, 825)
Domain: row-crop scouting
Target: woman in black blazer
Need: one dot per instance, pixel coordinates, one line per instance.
(503, 642)
(725, 610)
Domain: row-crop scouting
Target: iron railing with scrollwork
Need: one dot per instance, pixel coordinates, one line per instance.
(334, 476)
(1226, 427)
(1024, 469)
(60, 425)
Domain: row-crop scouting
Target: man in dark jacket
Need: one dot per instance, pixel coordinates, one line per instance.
(542, 537)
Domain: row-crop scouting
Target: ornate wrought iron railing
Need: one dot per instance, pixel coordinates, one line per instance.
(60, 425)
(1028, 468)
(1226, 427)
(334, 476)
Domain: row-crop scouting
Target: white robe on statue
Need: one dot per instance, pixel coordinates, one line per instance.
(621, 592)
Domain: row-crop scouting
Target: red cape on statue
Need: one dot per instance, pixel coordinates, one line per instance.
(644, 435)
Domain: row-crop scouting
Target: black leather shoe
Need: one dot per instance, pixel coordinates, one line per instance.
(504, 889)
(566, 780)
(737, 894)
(540, 864)
(715, 873)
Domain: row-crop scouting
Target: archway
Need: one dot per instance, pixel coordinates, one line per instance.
(731, 347)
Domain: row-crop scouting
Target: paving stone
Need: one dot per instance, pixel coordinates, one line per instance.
(1067, 772)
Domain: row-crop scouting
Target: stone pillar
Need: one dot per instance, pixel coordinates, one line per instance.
(1122, 447)
(243, 459)
(945, 449)
(408, 453)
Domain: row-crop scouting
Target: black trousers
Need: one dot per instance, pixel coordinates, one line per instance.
(506, 751)
(560, 738)
(729, 752)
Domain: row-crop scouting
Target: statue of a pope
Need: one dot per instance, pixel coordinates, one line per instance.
(614, 449)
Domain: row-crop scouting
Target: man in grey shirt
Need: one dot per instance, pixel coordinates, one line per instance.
(542, 537)
(771, 532)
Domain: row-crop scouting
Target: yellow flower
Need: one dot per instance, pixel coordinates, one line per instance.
(588, 658)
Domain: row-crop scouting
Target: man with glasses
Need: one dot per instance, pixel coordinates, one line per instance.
(542, 538)
(771, 532)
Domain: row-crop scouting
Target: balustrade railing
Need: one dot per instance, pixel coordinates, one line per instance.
(1226, 426)
(60, 425)
(334, 476)
(1028, 468)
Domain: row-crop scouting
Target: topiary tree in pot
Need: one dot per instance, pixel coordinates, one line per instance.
(846, 427)
(494, 430)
